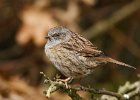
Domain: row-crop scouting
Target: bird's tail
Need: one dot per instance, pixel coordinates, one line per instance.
(119, 63)
(110, 60)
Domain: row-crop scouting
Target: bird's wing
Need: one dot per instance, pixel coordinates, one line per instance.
(83, 47)
(90, 51)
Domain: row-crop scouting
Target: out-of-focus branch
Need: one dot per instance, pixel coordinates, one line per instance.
(120, 38)
(116, 17)
(130, 90)
(125, 92)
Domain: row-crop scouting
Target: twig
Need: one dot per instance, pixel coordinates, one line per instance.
(104, 92)
(55, 85)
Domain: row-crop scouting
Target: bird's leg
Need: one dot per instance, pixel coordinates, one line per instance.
(66, 81)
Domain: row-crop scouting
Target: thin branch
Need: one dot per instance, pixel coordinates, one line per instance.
(104, 92)
(122, 39)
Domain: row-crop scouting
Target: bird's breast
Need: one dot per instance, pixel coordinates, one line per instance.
(65, 61)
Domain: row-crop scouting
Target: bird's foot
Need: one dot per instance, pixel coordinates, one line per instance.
(66, 81)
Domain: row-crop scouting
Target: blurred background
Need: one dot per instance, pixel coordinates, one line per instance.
(112, 25)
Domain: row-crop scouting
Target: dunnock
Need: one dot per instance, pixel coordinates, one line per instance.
(73, 55)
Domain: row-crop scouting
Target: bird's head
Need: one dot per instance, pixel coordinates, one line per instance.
(58, 35)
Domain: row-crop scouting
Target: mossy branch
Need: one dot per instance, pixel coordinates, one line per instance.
(124, 93)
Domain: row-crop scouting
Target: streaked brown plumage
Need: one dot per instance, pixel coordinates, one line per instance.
(73, 55)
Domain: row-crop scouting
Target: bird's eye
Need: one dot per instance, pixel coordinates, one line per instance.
(56, 35)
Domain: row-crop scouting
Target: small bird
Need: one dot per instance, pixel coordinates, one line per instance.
(73, 55)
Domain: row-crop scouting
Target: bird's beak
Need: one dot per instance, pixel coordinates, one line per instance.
(47, 37)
